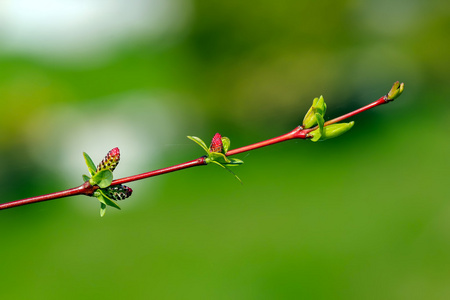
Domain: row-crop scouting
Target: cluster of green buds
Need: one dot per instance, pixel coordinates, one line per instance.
(102, 176)
(315, 117)
(216, 153)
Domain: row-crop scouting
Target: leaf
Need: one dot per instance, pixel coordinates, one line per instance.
(102, 209)
(320, 122)
(234, 162)
(102, 193)
(103, 179)
(316, 135)
(320, 106)
(335, 130)
(228, 170)
(105, 201)
(86, 178)
(108, 201)
(219, 157)
(226, 144)
(199, 142)
(90, 164)
(331, 131)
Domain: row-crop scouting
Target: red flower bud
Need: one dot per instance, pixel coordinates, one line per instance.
(216, 144)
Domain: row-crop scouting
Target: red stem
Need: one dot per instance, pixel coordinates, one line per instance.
(196, 162)
(83, 189)
(296, 133)
(381, 100)
(87, 189)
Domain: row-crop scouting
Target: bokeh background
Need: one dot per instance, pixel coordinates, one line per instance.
(363, 216)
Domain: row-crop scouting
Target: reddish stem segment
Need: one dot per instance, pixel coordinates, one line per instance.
(83, 189)
(196, 162)
(381, 100)
(300, 133)
(87, 189)
(296, 133)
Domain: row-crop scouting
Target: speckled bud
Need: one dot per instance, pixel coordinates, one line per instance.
(119, 192)
(110, 161)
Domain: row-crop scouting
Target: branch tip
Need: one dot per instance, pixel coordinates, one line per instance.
(395, 92)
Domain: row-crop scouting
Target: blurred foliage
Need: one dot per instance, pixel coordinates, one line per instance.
(378, 229)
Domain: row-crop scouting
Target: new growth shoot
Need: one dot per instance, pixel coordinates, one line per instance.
(100, 183)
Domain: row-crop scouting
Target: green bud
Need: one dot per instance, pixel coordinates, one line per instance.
(319, 106)
(330, 131)
(396, 90)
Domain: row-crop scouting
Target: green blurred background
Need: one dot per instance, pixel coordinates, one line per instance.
(363, 216)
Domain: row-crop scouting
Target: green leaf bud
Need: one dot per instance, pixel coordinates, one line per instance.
(318, 107)
(330, 131)
(396, 91)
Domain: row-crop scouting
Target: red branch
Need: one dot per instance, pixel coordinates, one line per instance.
(88, 189)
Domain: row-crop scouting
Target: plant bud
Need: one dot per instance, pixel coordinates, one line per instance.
(119, 192)
(110, 161)
(396, 90)
(216, 144)
(330, 131)
(319, 106)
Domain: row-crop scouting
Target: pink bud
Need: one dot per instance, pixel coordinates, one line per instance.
(216, 144)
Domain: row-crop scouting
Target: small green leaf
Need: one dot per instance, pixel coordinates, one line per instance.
(320, 122)
(316, 135)
(335, 130)
(86, 178)
(104, 201)
(330, 131)
(108, 201)
(90, 164)
(234, 162)
(227, 170)
(309, 120)
(102, 179)
(199, 142)
(219, 157)
(102, 209)
(226, 144)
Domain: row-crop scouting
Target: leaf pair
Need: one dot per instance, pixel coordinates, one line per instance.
(318, 107)
(315, 116)
(216, 153)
